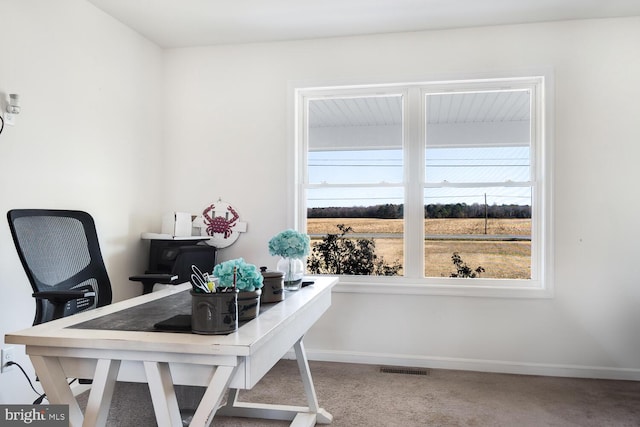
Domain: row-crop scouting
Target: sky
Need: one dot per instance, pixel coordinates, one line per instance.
(467, 167)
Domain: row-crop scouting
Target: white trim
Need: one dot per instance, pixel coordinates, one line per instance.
(413, 79)
(293, 150)
(542, 273)
(462, 288)
(478, 365)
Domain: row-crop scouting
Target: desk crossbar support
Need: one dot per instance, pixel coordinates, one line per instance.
(102, 387)
(163, 396)
(55, 384)
(322, 416)
(305, 374)
(213, 396)
(299, 415)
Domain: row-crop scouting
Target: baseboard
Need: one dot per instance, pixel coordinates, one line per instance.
(479, 365)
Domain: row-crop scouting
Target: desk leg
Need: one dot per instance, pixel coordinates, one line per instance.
(322, 416)
(104, 382)
(300, 416)
(55, 384)
(163, 396)
(213, 396)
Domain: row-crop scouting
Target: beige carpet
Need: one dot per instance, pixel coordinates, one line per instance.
(361, 395)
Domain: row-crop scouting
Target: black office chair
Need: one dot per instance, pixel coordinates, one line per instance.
(171, 265)
(61, 256)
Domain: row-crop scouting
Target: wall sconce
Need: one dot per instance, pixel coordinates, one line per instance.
(14, 104)
(12, 109)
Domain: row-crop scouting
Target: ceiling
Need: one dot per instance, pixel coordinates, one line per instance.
(184, 23)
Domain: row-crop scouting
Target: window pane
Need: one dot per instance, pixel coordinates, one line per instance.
(370, 224)
(355, 199)
(489, 229)
(478, 137)
(494, 197)
(355, 167)
(499, 260)
(477, 164)
(355, 140)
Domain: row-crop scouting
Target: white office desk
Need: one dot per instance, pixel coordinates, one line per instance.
(61, 350)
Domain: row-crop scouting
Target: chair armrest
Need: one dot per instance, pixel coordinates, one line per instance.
(62, 297)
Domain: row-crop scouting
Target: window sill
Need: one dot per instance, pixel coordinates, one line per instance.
(486, 288)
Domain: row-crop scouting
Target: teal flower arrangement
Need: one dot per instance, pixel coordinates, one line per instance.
(289, 244)
(247, 276)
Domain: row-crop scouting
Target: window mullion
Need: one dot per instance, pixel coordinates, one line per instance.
(414, 177)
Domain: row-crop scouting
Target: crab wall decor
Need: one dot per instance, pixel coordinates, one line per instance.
(220, 224)
(220, 220)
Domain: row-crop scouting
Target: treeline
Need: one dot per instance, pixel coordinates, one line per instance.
(452, 210)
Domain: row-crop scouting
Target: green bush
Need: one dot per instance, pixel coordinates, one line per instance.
(336, 254)
(462, 269)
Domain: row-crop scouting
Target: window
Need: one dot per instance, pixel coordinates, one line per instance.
(446, 181)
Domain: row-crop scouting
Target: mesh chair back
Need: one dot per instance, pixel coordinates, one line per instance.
(59, 251)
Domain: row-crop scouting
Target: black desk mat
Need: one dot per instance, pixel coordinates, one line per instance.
(142, 317)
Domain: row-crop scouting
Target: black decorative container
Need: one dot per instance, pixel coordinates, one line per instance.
(214, 313)
(248, 305)
(273, 286)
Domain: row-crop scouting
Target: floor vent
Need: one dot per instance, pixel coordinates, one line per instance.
(404, 371)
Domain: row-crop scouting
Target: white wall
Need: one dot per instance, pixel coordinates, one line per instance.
(88, 137)
(228, 107)
(104, 110)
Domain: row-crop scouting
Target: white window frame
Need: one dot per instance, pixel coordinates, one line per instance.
(540, 84)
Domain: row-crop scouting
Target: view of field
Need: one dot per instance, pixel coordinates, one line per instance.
(500, 258)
